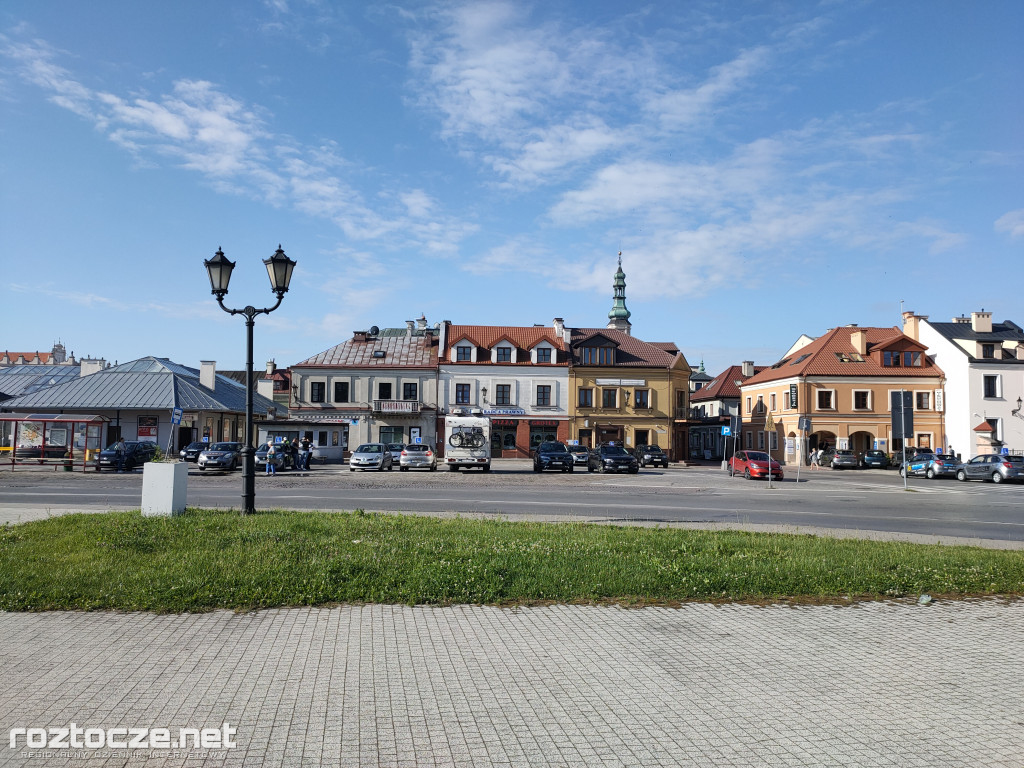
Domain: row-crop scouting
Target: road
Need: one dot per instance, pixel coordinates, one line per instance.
(852, 501)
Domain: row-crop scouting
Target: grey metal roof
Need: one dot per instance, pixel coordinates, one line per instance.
(395, 350)
(18, 380)
(1005, 331)
(148, 383)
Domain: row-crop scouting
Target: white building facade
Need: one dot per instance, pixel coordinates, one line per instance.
(984, 366)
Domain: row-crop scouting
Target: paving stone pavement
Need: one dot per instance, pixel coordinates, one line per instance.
(870, 684)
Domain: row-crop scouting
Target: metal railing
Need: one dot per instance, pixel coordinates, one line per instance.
(397, 406)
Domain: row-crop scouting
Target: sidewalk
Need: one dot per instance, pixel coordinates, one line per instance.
(873, 684)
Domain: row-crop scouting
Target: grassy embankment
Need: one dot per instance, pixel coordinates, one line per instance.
(204, 560)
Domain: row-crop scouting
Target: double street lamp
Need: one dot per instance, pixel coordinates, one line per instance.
(279, 267)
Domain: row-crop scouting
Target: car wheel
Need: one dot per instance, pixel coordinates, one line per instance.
(634, 471)
(732, 471)
(996, 477)
(202, 469)
(433, 467)
(536, 468)
(351, 469)
(589, 468)
(571, 469)
(403, 469)
(603, 469)
(453, 467)
(903, 472)
(486, 468)
(961, 476)
(930, 474)
(746, 474)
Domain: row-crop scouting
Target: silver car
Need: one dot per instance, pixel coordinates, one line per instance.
(843, 459)
(992, 466)
(418, 455)
(225, 456)
(371, 456)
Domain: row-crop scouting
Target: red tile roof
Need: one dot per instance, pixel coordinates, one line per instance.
(724, 384)
(820, 357)
(523, 338)
(633, 353)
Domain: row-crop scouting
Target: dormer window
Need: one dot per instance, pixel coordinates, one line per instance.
(463, 353)
(597, 356)
(503, 355)
(913, 359)
(988, 351)
(543, 354)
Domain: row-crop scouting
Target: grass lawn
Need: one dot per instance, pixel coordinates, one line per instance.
(210, 559)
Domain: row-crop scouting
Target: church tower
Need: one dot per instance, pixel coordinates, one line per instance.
(618, 318)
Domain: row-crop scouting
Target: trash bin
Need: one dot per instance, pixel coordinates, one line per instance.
(68, 462)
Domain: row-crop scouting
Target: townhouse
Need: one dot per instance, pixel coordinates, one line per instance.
(984, 366)
(378, 386)
(842, 383)
(516, 375)
(713, 406)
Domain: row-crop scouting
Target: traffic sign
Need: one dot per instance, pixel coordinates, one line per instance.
(176, 416)
(727, 431)
(804, 423)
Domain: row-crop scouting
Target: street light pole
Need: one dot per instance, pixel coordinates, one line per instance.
(279, 267)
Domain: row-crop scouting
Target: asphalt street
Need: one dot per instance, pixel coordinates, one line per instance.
(857, 502)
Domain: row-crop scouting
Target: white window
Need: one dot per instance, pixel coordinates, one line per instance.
(993, 385)
(826, 399)
(998, 424)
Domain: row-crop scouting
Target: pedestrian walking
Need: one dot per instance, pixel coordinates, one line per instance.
(120, 449)
(271, 459)
(304, 450)
(815, 459)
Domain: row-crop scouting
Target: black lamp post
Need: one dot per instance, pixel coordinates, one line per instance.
(279, 267)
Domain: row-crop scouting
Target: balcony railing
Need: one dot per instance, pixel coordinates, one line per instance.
(397, 406)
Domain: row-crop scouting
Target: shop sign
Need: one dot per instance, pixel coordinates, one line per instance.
(543, 423)
(504, 422)
(504, 412)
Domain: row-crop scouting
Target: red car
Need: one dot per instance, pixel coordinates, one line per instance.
(754, 464)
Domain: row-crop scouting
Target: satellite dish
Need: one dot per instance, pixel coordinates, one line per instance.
(374, 330)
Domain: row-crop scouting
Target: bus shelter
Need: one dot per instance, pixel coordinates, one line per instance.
(68, 440)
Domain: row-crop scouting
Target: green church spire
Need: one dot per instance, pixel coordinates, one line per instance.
(618, 318)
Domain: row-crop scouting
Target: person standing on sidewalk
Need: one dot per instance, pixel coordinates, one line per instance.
(120, 449)
(271, 459)
(304, 449)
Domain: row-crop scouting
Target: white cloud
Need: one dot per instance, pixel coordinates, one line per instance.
(1012, 223)
(200, 128)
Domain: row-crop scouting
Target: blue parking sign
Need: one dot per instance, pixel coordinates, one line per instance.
(726, 431)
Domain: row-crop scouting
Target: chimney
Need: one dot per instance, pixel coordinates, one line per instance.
(208, 374)
(271, 367)
(409, 325)
(421, 322)
(265, 387)
(981, 322)
(859, 340)
(961, 320)
(90, 366)
(559, 326)
(358, 335)
(748, 368)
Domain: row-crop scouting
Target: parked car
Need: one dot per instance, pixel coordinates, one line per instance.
(825, 459)
(754, 464)
(651, 454)
(930, 465)
(580, 455)
(844, 459)
(552, 455)
(226, 456)
(421, 455)
(612, 458)
(396, 451)
(135, 453)
(992, 466)
(191, 451)
(875, 460)
(282, 460)
(371, 456)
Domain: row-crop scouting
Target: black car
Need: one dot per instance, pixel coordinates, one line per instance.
(876, 459)
(651, 454)
(552, 455)
(612, 458)
(135, 453)
(191, 451)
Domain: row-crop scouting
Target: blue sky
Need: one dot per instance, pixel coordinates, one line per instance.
(767, 169)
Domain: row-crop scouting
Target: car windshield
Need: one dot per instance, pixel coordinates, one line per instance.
(396, 446)
(653, 449)
(844, 453)
(369, 448)
(756, 456)
(417, 448)
(945, 457)
(1014, 459)
(222, 447)
(193, 446)
(613, 450)
(876, 454)
(551, 448)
